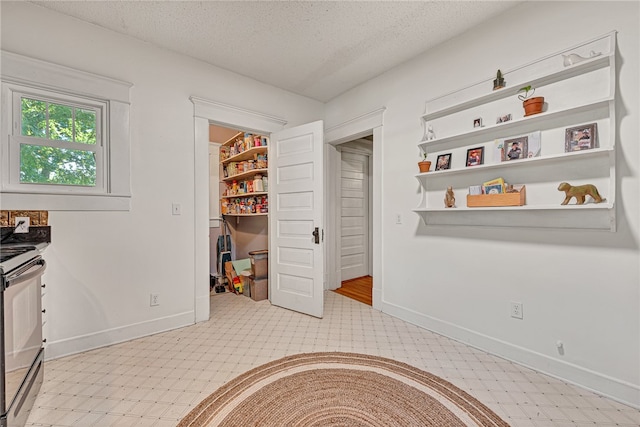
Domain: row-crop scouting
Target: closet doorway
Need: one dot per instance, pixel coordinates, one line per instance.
(296, 273)
(248, 232)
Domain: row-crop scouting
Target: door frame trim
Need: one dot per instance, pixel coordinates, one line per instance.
(206, 112)
(365, 124)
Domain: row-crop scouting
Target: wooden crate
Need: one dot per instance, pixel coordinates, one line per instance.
(495, 200)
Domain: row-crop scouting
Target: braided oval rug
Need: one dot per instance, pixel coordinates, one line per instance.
(339, 389)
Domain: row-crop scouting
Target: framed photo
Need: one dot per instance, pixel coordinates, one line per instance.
(477, 123)
(580, 138)
(443, 162)
(502, 119)
(475, 156)
(518, 147)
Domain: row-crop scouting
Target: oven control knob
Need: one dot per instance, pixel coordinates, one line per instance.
(44, 285)
(44, 340)
(44, 311)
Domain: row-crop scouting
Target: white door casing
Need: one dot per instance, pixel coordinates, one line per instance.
(354, 211)
(296, 261)
(206, 112)
(371, 122)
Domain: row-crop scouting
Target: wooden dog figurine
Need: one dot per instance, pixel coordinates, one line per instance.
(449, 198)
(579, 192)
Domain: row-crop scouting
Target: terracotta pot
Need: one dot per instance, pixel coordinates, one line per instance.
(424, 166)
(533, 105)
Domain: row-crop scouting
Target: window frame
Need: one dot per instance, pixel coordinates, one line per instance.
(16, 139)
(32, 76)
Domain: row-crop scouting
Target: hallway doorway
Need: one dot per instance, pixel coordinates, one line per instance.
(359, 289)
(354, 200)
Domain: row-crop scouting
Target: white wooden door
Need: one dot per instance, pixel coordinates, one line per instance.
(296, 258)
(354, 212)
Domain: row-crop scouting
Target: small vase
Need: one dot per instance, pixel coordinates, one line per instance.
(533, 105)
(424, 166)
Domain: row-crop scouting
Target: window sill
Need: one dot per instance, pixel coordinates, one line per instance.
(65, 202)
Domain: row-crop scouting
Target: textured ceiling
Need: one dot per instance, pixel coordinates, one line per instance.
(318, 49)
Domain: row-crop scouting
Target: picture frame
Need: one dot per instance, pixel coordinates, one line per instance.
(477, 123)
(528, 144)
(516, 148)
(475, 156)
(443, 162)
(579, 138)
(502, 119)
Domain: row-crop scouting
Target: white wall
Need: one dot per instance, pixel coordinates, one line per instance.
(104, 265)
(581, 287)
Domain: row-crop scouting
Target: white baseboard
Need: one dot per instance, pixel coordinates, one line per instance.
(607, 386)
(66, 347)
(377, 299)
(202, 308)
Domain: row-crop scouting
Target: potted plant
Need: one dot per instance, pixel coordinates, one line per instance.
(498, 82)
(532, 104)
(425, 164)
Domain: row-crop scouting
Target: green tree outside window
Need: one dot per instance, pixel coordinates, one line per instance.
(56, 123)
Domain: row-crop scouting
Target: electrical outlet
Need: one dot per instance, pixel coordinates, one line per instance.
(516, 310)
(398, 218)
(22, 224)
(154, 300)
(176, 209)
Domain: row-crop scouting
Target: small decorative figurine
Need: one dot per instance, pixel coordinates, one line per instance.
(579, 192)
(430, 133)
(574, 58)
(498, 82)
(449, 198)
(510, 189)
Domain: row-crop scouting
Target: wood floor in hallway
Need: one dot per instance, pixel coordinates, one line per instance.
(359, 289)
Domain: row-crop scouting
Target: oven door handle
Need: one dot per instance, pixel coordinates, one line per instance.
(28, 272)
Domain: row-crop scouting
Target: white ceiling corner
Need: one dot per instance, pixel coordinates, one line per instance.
(317, 49)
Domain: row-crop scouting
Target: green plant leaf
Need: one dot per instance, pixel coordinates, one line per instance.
(526, 95)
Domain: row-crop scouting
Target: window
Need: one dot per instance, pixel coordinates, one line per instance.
(57, 141)
(64, 143)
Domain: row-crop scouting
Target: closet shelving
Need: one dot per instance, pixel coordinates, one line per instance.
(244, 151)
(576, 94)
(246, 155)
(244, 175)
(262, 193)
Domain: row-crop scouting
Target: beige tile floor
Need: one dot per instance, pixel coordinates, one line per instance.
(155, 380)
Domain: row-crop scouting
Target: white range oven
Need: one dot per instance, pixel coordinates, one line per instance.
(21, 343)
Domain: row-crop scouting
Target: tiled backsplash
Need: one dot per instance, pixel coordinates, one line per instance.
(36, 218)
